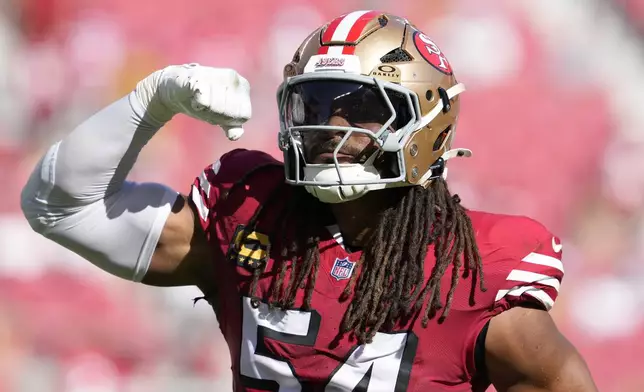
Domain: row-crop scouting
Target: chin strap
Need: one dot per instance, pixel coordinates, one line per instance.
(451, 93)
(438, 169)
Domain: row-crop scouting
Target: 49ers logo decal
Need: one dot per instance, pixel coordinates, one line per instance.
(431, 53)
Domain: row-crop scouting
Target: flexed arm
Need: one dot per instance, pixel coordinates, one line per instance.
(78, 195)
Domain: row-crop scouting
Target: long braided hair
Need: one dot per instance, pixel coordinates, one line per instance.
(389, 281)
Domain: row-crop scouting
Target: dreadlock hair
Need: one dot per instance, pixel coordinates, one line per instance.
(388, 283)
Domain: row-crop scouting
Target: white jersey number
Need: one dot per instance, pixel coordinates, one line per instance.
(381, 366)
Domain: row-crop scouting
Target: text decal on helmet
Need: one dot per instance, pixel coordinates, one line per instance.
(430, 52)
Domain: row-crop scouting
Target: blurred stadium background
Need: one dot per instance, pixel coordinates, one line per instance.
(554, 114)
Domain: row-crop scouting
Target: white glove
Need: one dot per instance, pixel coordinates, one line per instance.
(218, 96)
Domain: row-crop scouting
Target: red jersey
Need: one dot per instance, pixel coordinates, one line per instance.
(298, 350)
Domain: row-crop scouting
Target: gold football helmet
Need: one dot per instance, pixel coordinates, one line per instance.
(387, 81)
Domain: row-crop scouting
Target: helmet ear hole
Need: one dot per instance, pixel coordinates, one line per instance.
(442, 138)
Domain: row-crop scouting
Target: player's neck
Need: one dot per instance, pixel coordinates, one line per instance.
(359, 218)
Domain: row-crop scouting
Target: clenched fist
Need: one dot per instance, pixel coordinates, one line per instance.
(218, 96)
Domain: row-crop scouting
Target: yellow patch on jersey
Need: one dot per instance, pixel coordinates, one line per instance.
(250, 253)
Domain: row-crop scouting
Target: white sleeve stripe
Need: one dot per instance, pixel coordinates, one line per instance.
(549, 261)
(216, 166)
(532, 277)
(542, 297)
(534, 292)
(204, 183)
(199, 203)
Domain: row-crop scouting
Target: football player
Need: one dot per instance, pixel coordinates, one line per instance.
(349, 266)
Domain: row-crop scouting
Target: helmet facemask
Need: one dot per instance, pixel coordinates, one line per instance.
(365, 107)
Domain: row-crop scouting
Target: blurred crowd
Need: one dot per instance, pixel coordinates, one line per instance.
(553, 114)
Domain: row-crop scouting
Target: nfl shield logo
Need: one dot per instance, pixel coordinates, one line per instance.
(342, 268)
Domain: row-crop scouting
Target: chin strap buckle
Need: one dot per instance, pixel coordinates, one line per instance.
(437, 169)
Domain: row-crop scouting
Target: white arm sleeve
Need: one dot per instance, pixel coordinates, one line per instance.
(78, 197)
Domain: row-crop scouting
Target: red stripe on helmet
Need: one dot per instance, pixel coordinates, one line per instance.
(359, 25)
(328, 33)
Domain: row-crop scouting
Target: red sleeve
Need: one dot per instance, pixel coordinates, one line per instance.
(230, 168)
(522, 267)
(534, 277)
